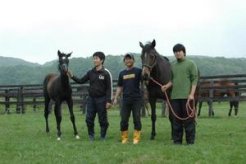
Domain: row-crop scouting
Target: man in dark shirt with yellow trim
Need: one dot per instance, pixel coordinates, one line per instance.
(129, 83)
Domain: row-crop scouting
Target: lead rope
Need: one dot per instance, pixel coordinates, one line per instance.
(189, 110)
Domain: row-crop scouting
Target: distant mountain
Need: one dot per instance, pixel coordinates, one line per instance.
(17, 71)
(50, 63)
(9, 61)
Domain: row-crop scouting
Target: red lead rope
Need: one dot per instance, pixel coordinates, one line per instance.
(189, 110)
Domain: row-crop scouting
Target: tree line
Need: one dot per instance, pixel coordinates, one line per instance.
(22, 72)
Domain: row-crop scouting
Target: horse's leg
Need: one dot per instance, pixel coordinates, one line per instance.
(231, 106)
(236, 105)
(210, 108)
(211, 111)
(147, 108)
(58, 119)
(143, 112)
(153, 117)
(72, 118)
(46, 113)
(199, 108)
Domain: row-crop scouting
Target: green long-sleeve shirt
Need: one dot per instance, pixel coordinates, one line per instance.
(184, 75)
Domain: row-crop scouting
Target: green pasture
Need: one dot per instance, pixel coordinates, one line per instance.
(220, 139)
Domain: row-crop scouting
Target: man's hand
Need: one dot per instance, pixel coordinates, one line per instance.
(108, 105)
(69, 74)
(164, 88)
(115, 101)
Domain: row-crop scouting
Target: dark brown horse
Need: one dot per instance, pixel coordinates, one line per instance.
(57, 88)
(158, 67)
(222, 88)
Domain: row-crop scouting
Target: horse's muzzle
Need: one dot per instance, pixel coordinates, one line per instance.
(145, 77)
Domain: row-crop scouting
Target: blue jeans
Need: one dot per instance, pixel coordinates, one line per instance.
(97, 105)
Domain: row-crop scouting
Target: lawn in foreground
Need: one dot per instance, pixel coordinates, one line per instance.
(220, 139)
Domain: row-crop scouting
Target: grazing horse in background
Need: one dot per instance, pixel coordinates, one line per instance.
(57, 88)
(235, 102)
(157, 67)
(226, 90)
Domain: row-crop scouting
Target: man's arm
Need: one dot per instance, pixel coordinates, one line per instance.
(166, 86)
(118, 92)
(82, 80)
(109, 87)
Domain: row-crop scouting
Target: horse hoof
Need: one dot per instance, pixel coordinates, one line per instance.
(58, 139)
(152, 137)
(77, 137)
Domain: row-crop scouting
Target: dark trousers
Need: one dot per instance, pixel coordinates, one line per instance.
(179, 107)
(97, 105)
(127, 107)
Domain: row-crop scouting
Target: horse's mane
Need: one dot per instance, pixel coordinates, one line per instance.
(165, 58)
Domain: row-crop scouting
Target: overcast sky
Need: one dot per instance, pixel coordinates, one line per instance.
(34, 30)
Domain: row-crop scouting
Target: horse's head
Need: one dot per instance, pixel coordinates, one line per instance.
(149, 57)
(63, 62)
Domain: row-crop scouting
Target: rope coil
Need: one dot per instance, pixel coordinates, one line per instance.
(191, 112)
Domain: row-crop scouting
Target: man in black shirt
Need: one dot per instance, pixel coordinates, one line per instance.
(100, 92)
(129, 83)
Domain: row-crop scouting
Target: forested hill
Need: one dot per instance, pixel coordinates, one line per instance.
(9, 61)
(17, 71)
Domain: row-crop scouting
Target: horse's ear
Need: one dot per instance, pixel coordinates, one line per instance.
(141, 44)
(153, 43)
(59, 53)
(68, 55)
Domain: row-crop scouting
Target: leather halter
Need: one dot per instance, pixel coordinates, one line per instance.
(152, 65)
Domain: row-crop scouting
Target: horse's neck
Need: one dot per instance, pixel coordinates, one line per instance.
(161, 71)
(64, 80)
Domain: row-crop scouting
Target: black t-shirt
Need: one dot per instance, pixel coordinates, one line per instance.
(130, 81)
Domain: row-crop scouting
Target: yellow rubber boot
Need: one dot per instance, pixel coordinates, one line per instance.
(136, 137)
(124, 137)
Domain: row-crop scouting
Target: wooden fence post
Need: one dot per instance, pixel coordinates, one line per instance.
(7, 105)
(20, 101)
(210, 101)
(34, 104)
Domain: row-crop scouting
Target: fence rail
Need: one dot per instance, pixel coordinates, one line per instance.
(21, 95)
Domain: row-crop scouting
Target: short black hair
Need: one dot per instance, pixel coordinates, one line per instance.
(179, 47)
(100, 55)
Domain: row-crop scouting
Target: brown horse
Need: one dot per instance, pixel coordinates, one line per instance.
(157, 67)
(57, 88)
(222, 88)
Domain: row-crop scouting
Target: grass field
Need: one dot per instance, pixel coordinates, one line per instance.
(220, 139)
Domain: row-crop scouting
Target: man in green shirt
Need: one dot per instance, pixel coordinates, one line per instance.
(184, 81)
